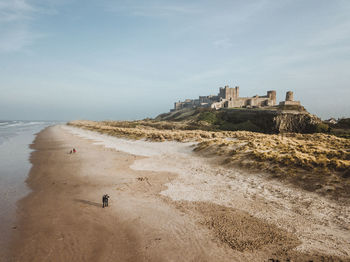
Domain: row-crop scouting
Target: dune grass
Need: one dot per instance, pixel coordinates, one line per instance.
(313, 161)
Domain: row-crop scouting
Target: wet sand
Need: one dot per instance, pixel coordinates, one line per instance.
(63, 219)
(14, 168)
(15, 138)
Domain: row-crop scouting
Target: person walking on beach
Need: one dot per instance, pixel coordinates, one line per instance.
(105, 200)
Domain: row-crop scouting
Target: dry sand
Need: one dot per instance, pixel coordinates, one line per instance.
(313, 162)
(151, 219)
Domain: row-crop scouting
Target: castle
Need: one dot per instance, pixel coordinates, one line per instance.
(229, 97)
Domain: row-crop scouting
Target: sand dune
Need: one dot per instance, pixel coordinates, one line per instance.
(314, 162)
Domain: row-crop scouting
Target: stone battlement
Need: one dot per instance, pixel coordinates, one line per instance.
(289, 100)
(229, 98)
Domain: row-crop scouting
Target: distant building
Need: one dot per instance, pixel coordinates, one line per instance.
(332, 121)
(226, 98)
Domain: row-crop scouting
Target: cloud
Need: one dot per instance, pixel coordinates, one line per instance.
(152, 8)
(16, 38)
(15, 11)
(163, 11)
(15, 25)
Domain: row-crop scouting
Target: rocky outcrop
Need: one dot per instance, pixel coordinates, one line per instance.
(273, 120)
(296, 122)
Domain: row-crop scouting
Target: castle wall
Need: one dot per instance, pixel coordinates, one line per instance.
(238, 102)
(229, 97)
(217, 105)
(259, 101)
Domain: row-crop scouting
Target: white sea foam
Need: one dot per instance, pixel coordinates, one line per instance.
(321, 224)
(11, 124)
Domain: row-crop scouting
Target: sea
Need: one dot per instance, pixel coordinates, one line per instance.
(15, 140)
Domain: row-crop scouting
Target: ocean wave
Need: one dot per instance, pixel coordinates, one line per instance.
(22, 123)
(11, 129)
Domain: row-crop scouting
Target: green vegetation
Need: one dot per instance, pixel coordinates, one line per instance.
(227, 121)
(209, 117)
(321, 128)
(341, 129)
(232, 120)
(242, 119)
(344, 123)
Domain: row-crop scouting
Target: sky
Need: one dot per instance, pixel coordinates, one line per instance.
(105, 59)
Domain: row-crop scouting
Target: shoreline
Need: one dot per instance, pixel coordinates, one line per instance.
(16, 138)
(62, 219)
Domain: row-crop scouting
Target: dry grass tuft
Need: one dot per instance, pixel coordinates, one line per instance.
(309, 160)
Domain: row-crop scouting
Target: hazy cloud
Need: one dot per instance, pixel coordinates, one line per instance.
(153, 8)
(15, 11)
(16, 31)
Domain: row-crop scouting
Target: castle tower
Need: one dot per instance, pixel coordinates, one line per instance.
(221, 92)
(289, 100)
(236, 91)
(272, 96)
(289, 96)
(227, 92)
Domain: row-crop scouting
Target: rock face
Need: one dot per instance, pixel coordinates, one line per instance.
(289, 118)
(295, 122)
(276, 121)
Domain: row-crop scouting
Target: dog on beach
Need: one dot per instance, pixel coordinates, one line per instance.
(105, 200)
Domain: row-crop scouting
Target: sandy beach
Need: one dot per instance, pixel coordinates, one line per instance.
(162, 212)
